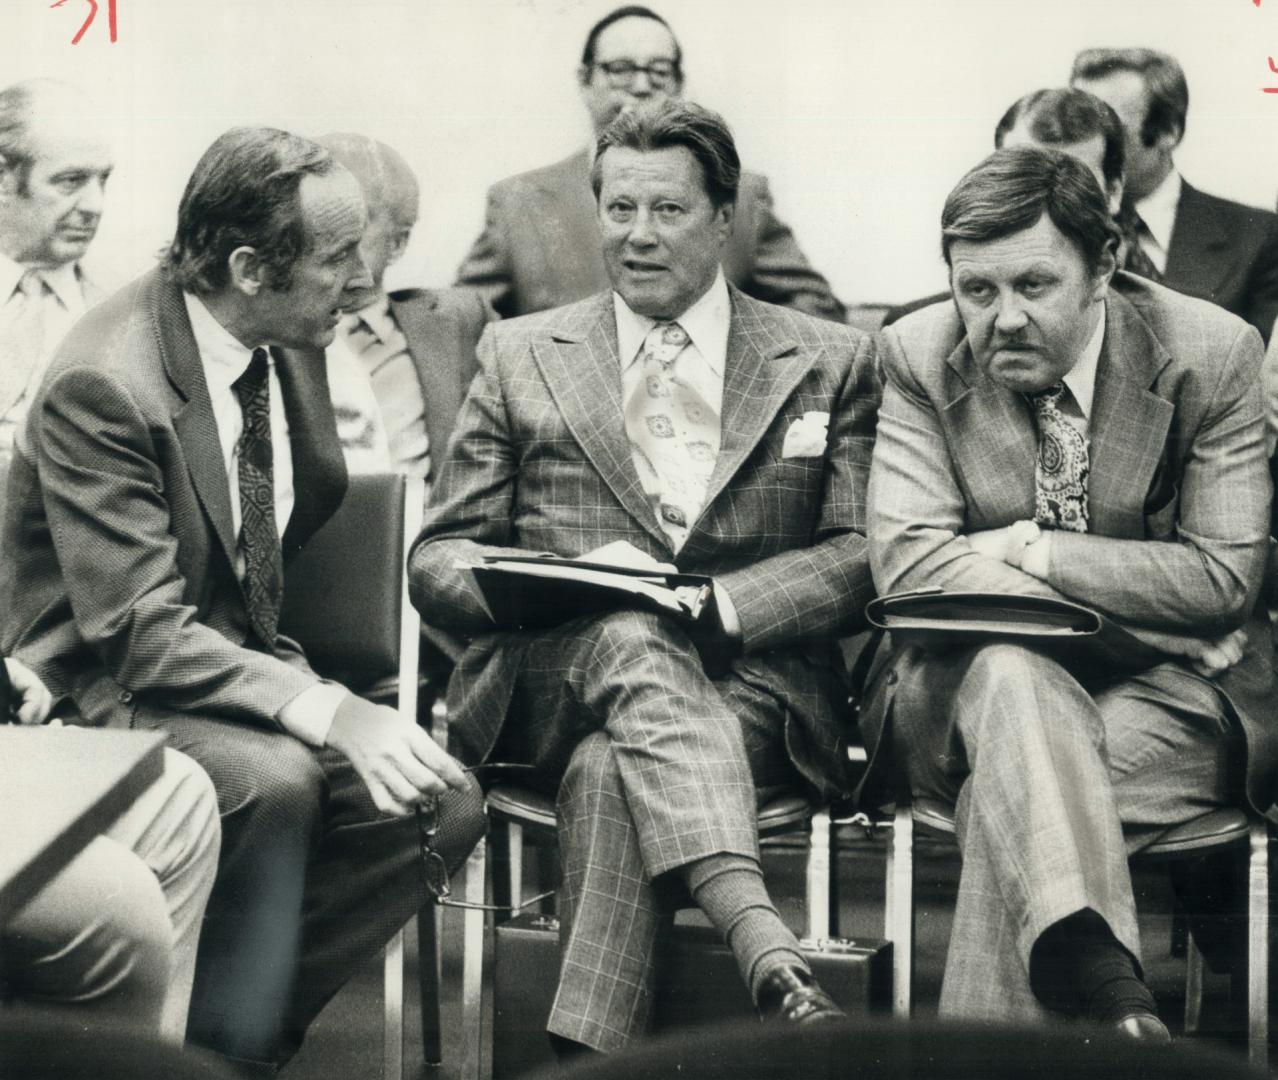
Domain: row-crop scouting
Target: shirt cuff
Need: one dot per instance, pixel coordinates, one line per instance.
(309, 715)
(727, 613)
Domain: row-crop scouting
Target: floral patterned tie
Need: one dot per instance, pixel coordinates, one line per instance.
(1060, 473)
(259, 540)
(673, 432)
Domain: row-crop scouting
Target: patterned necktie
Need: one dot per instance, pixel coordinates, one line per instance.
(1060, 473)
(1136, 259)
(259, 541)
(21, 338)
(673, 432)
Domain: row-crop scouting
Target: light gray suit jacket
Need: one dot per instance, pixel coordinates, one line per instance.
(1178, 490)
(540, 246)
(540, 462)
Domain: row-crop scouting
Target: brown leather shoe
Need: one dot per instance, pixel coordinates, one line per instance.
(1143, 1026)
(790, 994)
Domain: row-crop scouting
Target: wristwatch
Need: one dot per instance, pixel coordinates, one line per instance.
(1020, 534)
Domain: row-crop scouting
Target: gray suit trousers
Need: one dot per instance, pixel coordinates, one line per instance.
(1056, 783)
(660, 766)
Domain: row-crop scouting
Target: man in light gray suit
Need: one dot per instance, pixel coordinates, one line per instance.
(674, 420)
(540, 244)
(1065, 432)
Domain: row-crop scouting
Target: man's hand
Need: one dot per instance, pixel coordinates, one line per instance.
(624, 554)
(35, 697)
(1209, 657)
(398, 762)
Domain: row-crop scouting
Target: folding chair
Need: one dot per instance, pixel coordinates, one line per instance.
(346, 603)
(1214, 831)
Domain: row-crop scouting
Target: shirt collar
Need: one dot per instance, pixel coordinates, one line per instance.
(222, 355)
(705, 322)
(378, 317)
(1158, 209)
(64, 281)
(1081, 378)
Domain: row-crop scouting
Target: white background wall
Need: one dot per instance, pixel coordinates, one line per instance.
(862, 112)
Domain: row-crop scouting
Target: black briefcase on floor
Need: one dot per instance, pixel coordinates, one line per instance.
(699, 984)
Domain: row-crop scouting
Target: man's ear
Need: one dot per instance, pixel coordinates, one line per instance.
(247, 271)
(583, 75)
(1114, 193)
(1105, 270)
(8, 179)
(727, 215)
(399, 244)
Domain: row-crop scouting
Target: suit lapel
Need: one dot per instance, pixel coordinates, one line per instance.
(1199, 255)
(319, 471)
(579, 361)
(993, 442)
(193, 421)
(1128, 424)
(763, 365)
(434, 350)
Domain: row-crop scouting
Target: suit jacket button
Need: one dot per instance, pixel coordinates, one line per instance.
(126, 696)
(891, 679)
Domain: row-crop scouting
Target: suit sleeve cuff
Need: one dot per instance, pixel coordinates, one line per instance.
(727, 613)
(309, 715)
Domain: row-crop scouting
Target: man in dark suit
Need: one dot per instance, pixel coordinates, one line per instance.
(179, 451)
(400, 364)
(540, 244)
(670, 420)
(1057, 433)
(1199, 244)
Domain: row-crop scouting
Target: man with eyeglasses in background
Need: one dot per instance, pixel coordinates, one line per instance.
(540, 245)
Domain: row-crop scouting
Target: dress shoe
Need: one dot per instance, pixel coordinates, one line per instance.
(790, 993)
(1145, 1027)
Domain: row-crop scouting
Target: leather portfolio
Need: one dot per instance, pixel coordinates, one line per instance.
(699, 984)
(938, 620)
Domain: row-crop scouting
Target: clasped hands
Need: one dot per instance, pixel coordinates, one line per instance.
(1209, 657)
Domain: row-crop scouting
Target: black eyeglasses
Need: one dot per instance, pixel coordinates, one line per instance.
(433, 862)
(662, 74)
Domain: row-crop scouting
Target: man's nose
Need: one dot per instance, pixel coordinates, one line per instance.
(642, 234)
(1010, 315)
(89, 200)
(361, 277)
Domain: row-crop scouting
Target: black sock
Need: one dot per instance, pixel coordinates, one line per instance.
(1078, 967)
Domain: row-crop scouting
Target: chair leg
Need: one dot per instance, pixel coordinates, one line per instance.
(393, 990)
(473, 922)
(818, 876)
(898, 909)
(1258, 946)
(1193, 985)
(429, 974)
(515, 857)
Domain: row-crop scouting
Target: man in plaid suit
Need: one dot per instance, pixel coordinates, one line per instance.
(1065, 432)
(559, 448)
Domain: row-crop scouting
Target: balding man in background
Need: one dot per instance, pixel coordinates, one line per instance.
(54, 168)
(540, 246)
(400, 364)
(1198, 244)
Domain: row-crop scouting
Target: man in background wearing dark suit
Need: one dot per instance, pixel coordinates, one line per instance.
(400, 363)
(1199, 244)
(670, 419)
(180, 450)
(540, 244)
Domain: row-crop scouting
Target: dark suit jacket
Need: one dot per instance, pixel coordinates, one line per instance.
(1177, 462)
(118, 583)
(442, 327)
(540, 246)
(1228, 253)
(541, 462)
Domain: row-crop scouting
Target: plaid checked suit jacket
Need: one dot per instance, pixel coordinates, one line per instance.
(540, 462)
(118, 582)
(1177, 461)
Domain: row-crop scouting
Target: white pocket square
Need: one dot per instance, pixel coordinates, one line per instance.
(806, 437)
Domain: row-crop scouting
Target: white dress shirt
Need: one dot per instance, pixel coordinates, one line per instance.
(1158, 211)
(701, 364)
(224, 359)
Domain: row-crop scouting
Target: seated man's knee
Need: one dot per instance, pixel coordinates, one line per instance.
(282, 789)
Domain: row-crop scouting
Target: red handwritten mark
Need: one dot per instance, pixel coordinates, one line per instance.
(112, 23)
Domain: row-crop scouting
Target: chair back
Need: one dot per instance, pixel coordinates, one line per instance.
(346, 593)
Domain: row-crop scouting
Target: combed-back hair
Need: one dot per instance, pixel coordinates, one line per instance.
(1068, 115)
(1164, 78)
